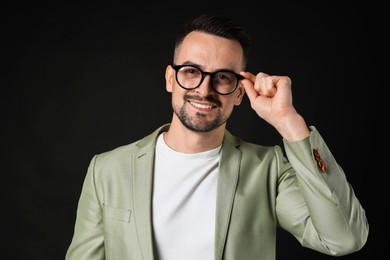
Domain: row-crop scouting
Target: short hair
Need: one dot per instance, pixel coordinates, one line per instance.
(216, 25)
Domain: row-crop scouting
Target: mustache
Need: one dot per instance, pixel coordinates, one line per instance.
(208, 98)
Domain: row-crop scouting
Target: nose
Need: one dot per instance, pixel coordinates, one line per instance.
(205, 88)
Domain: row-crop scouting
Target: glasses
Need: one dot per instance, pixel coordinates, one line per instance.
(224, 82)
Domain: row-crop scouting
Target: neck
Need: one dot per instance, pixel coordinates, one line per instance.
(183, 140)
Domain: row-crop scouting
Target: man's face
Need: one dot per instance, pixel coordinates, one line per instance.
(202, 109)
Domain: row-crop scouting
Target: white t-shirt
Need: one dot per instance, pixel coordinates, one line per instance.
(184, 201)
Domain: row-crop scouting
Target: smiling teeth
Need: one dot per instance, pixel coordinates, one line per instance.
(201, 106)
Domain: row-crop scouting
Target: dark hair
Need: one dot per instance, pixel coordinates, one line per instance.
(219, 26)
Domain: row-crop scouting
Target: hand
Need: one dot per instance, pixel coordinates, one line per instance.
(271, 98)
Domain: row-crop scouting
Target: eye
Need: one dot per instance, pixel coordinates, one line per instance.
(190, 71)
(224, 77)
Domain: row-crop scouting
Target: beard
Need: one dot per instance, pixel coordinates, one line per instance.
(199, 123)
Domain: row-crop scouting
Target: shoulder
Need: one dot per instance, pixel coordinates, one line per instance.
(136, 148)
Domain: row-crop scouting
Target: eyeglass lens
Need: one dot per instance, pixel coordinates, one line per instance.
(190, 77)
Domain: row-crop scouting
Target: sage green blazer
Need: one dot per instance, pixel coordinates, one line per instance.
(259, 189)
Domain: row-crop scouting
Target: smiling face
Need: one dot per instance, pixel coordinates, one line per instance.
(202, 109)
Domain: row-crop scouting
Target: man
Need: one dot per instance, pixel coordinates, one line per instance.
(191, 190)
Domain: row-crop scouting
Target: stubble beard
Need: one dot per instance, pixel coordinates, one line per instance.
(198, 122)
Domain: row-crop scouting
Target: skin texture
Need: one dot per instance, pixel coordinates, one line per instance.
(200, 115)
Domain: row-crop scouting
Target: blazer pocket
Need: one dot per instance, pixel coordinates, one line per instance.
(123, 215)
(117, 228)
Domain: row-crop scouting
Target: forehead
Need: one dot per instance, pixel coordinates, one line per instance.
(210, 52)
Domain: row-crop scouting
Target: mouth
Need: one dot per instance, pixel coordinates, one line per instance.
(202, 106)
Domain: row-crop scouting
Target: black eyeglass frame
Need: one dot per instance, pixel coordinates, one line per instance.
(204, 74)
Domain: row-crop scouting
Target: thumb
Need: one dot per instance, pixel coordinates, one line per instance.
(250, 90)
(248, 83)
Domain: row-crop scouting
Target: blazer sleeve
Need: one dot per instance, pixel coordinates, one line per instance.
(318, 206)
(88, 241)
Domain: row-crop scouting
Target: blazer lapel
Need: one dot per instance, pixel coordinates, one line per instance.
(227, 182)
(143, 163)
(142, 187)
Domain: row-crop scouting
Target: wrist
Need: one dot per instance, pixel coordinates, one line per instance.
(293, 128)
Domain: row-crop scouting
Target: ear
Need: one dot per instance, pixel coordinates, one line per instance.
(239, 95)
(169, 78)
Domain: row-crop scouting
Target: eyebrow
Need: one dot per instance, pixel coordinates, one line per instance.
(190, 63)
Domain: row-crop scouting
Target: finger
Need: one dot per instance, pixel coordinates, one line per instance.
(255, 79)
(266, 85)
(248, 76)
(250, 90)
(248, 84)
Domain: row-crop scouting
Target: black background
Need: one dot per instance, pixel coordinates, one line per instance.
(82, 78)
